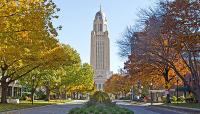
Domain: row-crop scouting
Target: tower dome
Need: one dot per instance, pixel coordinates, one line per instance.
(100, 16)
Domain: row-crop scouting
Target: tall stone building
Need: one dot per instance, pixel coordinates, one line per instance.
(100, 50)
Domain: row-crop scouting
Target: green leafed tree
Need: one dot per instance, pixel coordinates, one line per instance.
(83, 80)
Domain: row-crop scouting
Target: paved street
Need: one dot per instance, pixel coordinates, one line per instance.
(64, 108)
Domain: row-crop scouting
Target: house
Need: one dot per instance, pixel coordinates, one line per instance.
(14, 90)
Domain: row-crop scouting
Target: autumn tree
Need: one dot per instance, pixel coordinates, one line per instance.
(27, 39)
(118, 84)
(182, 24)
(168, 41)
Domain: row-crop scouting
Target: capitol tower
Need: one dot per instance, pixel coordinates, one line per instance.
(100, 50)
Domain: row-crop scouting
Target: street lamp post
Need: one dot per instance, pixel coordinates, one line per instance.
(139, 89)
(151, 87)
(57, 91)
(32, 91)
(132, 93)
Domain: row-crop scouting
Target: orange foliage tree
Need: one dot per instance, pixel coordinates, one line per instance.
(118, 85)
(168, 39)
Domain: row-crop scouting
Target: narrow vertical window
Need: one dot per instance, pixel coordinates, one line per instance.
(101, 27)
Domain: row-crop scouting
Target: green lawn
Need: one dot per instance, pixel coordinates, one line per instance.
(189, 105)
(28, 104)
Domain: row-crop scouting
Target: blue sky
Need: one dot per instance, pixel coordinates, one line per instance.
(76, 18)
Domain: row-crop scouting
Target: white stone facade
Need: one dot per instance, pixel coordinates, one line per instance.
(100, 50)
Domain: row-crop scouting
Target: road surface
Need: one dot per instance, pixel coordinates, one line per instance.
(64, 108)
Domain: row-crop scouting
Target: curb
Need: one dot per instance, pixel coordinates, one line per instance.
(183, 110)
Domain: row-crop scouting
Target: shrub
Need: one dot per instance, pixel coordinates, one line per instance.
(104, 112)
(90, 103)
(174, 99)
(101, 97)
(74, 110)
(40, 95)
(101, 109)
(91, 111)
(100, 103)
(181, 99)
(96, 112)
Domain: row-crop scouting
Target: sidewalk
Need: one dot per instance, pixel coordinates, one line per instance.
(48, 109)
(144, 108)
(178, 109)
(184, 110)
(18, 111)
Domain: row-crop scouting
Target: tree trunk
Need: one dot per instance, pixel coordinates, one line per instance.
(47, 93)
(32, 96)
(59, 95)
(65, 94)
(77, 95)
(167, 80)
(168, 98)
(4, 91)
(196, 92)
(198, 97)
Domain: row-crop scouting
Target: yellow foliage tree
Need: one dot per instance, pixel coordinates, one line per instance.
(27, 39)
